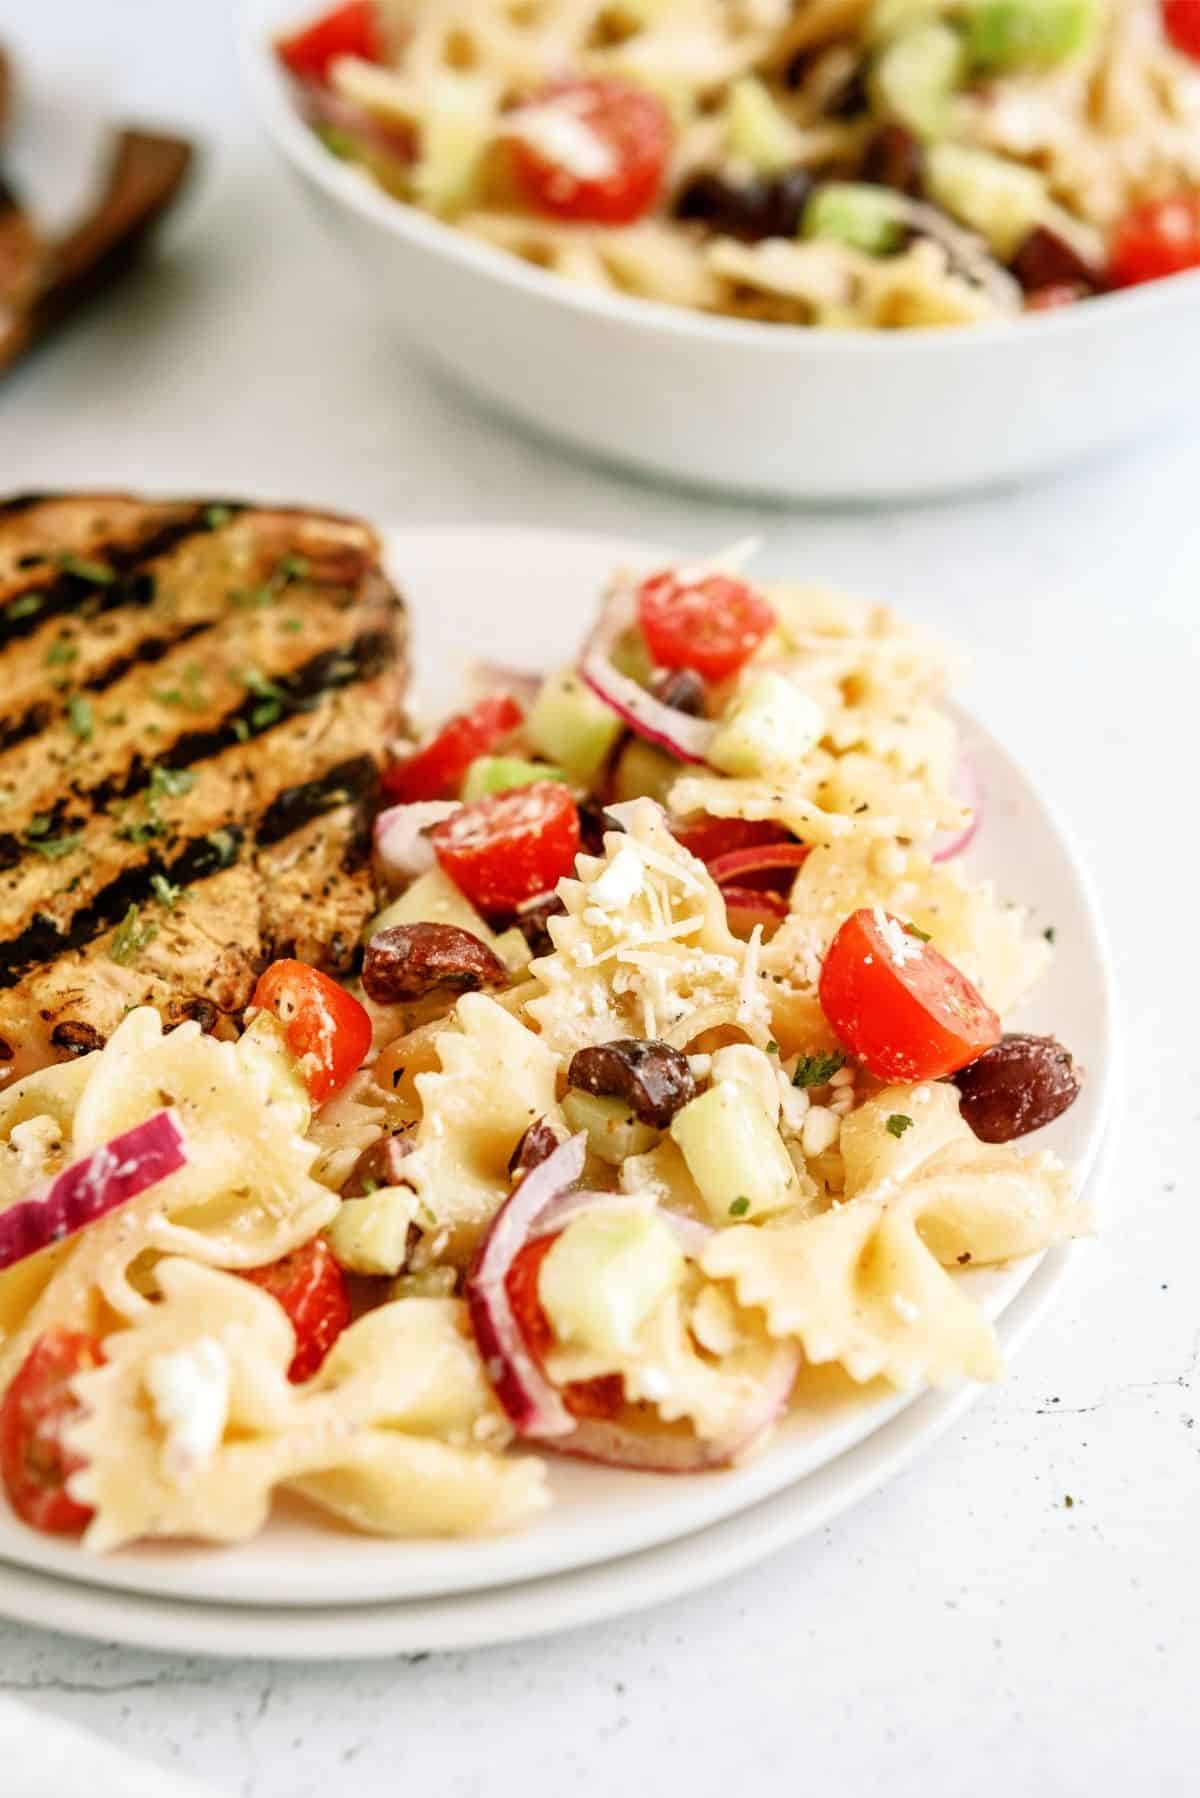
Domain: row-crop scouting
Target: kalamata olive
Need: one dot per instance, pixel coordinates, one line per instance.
(751, 210)
(533, 922)
(407, 961)
(654, 1079)
(1047, 260)
(895, 158)
(1021, 1084)
(537, 1145)
(379, 1165)
(680, 688)
(594, 823)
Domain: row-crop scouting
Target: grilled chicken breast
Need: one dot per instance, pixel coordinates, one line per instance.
(194, 702)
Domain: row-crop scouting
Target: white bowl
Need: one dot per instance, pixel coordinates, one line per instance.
(728, 403)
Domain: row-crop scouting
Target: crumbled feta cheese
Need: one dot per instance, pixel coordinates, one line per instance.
(901, 947)
(821, 1130)
(794, 1103)
(189, 1390)
(621, 881)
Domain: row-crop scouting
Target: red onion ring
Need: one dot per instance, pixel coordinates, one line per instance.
(400, 842)
(729, 869)
(692, 1235)
(661, 1451)
(324, 106)
(949, 843)
(93, 1186)
(754, 906)
(532, 1403)
(680, 735)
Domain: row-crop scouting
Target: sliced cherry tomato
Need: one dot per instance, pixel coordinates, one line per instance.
(615, 138)
(436, 769)
(34, 1464)
(1181, 20)
(711, 625)
(350, 30)
(601, 1397)
(311, 1288)
(708, 838)
(899, 1006)
(1161, 237)
(327, 1030)
(511, 846)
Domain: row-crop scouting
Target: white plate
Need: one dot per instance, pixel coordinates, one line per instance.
(523, 597)
(540, 1607)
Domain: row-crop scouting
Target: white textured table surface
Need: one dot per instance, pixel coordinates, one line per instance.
(967, 1631)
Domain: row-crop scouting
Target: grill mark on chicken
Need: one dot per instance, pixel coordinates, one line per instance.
(266, 848)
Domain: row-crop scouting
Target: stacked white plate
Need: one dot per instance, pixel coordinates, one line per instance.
(614, 1541)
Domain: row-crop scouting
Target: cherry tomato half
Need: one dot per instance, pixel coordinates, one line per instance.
(350, 30)
(311, 1288)
(898, 1005)
(712, 625)
(34, 1464)
(601, 1397)
(1161, 237)
(327, 1030)
(1181, 21)
(624, 139)
(510, 846)
(436, 769)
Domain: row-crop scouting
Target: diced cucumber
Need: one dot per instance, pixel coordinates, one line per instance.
(571, 727)
(1011, 34)
(605, 1275)
(735, 1153)
(773, 725)
(613, 1133)
(433, 898)
(370, 1235)
(457, 126)
(262, 1046)
(1001, 200)
(644, 772)
(853, 213)
(915, 75)
(497, 773)
(757, 132)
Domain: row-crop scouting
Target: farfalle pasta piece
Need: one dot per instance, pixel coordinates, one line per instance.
(496, 1077)
(645, 949)
(866, 1282)
(246, 1195)
(989, 941)
(190, 1424)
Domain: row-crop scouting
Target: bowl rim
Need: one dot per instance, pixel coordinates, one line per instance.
(355, 189)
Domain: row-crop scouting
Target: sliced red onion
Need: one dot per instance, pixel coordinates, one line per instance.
(93, 1186)
(533, 1404)
(753, 906)
(676, 732)
(668, 1451)
(690, 1233)
(403, 849)
(949, 843)
(324, 106)
(762, 858)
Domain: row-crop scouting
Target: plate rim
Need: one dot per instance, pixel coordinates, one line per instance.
(161, 1572)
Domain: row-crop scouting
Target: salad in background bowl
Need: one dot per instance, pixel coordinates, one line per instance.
(660, 341)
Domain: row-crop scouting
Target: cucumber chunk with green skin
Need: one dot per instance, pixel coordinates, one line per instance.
(757, 131)
(735, 1154)
(604, 1276)
(1002, 35)
(613, 1133)
(1001, 200)
(498, 773)
(643, 772)
(852, 213)
(916, 74)
(772, 725)
(571, 727)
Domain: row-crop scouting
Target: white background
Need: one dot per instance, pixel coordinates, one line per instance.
(966, 1631)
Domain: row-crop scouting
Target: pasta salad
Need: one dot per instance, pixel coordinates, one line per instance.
(864, 164)
(674, 1072)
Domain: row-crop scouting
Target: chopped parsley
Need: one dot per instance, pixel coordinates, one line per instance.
(772, 1048)
(172, 781)
(260, 684)
(225, 844)
(165, 891)
(61, 652)
(38, 826)
(54, 848)
(241, 730)
(291, 568)
(79, 715)
(84, 569)
(897, 1124)
(266, 714)
(130, 936)
(144, 831)
(216, 517)
(818, 1070)
(292, 624)
(26, 605)
(1049, 933)
(739, 1208)
(922, 936)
